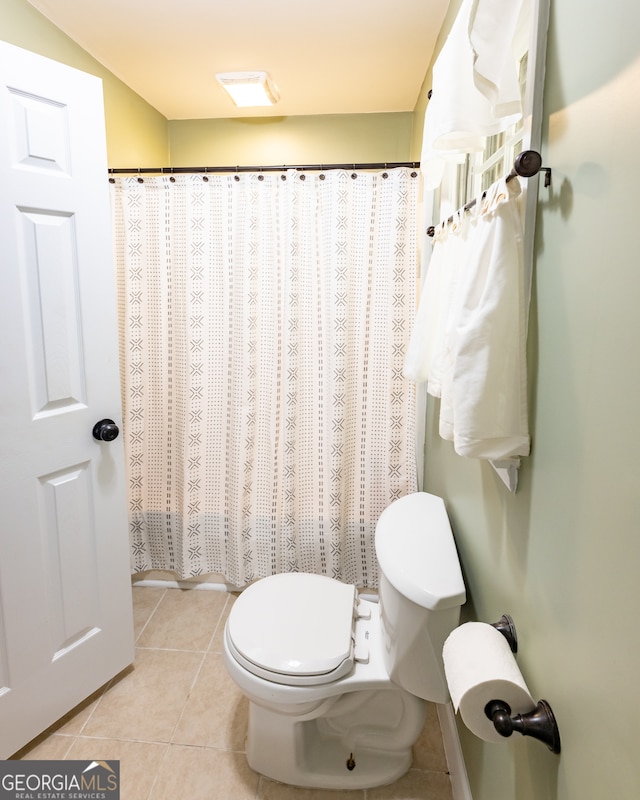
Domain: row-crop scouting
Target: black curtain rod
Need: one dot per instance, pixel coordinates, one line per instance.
(282, 168)
(526, 165)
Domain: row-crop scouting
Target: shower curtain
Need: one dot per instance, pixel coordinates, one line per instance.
(264, 319)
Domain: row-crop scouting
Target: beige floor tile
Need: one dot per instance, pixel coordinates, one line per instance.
(146, 703)
(185, 619)
(200, 773)
(270, 790)
(145, 600)
(216, 642)
(415, 785)
(48, 747)
(428, 751)
(139, 762)
(215, 715)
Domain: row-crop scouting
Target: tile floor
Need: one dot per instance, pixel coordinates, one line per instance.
(177, 723)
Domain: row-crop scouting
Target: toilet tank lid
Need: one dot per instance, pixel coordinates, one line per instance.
(417, 552)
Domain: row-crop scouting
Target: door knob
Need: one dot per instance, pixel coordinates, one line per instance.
(105, 431)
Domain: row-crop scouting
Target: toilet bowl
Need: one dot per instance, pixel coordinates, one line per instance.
(337, 683)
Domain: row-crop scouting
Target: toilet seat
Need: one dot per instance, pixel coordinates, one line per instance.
(294, 628)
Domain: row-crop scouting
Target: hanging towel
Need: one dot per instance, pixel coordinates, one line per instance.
(426, 356)
(420, 348)
(494, 58)
(419, 355)
(454, 261)
(475, 90)
(483, 408)
(424, 359)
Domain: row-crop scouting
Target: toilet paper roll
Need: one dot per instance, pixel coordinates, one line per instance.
(480, 667)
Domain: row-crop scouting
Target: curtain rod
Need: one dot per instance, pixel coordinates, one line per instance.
(526, 165)
(281, 168)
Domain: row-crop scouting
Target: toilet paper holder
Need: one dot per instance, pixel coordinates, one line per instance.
(539, 723)
(507, 628)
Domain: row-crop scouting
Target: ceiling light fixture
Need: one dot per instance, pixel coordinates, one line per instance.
(249, 88)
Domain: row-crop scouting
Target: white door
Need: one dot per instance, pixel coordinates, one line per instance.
(65, 591)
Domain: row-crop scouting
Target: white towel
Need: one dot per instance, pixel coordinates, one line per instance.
(475, 91)
(484, 393)
(494, 59)
(418, 359)
(424, 359)
(454, 260)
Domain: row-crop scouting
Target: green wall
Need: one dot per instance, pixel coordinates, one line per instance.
(340, 138)
(562, 555)
(136, 132)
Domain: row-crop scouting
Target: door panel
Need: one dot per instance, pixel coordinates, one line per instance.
(65, 590)
(50, 272)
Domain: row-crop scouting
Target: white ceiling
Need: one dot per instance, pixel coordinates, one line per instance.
(326, 56)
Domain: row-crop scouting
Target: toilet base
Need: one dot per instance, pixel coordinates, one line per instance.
(353, 750)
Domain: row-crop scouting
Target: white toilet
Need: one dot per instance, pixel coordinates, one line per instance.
(337, 684)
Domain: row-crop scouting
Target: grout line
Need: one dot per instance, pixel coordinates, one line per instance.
(95, 703)
(68, 750)
(155, 777)
(219, 622)
(151, 613)
(186, 700)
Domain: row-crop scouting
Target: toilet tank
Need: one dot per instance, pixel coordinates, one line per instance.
(421, 592)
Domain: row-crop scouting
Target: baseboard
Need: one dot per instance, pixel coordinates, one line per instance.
(205, 585)
(453, 751)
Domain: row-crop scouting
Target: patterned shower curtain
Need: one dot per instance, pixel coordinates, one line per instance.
(264, 319)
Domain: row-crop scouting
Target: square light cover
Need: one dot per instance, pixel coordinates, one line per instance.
(249, 88)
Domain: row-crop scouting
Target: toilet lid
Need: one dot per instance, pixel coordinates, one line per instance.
(294, 628)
